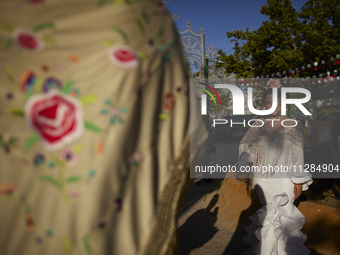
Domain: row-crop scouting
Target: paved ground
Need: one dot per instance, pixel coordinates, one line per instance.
(198, 230)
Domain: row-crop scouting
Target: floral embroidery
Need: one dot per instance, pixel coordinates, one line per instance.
(114, 112)
(27, 81)
(169, 101)
(39, 159)
(74, 58)
(100, 148)
(91, 173)
(45, 68)
(9, 95)
(162, 8)
(135, 160)
(74, 92)
(69, 156)
(51, 83)
(7, 189)
(30, 222)
(48, 232)
(57, 118)
(73, 193)
(166, 52)
(118, 203)
(123, 56)
(6, 141)
(39, 240)
(51, 164)
(27, 40)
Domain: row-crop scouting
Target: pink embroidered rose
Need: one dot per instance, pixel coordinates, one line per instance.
(27, 40)
(123, 56)
(56, 117)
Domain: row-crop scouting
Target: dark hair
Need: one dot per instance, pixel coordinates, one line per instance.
(268, 92)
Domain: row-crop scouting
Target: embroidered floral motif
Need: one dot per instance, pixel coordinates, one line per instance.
(73, 58)
(135, 160)
(169, 101)
(69, 156)
(7, 189)
(39, 159)
(45, 68)
(30, 222)
(27, 40)
(74, 92)
(166, 52)
(73, 193)
(91, 173)
(162, 8)
(9, 95)
(48, 232)
(27, 81)
(114, 112)
(57, 118)
(51, 83)
(6, 141)
(123, 56)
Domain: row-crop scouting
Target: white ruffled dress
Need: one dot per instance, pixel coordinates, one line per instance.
(275, 228)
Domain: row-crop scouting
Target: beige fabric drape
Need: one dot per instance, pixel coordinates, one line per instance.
(94, 126)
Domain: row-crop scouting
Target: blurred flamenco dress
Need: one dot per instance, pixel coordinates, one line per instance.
(275, 228)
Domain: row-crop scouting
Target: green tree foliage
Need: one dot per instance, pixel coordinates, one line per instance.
(290, 38)
(321, 29)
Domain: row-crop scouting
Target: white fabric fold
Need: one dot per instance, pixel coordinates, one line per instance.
(279, 229)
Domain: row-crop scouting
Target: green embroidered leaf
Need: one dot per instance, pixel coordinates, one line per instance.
(7, 27)
(107, 42)
(67, 245)
(78, 148)
(159, 33)
(10, 75)
(122, 109)
(142, 55)
(59, 161)
(17, 112)
(145, 17)
(50, 179)
(74, 178)
(12, 140)
(87, 245)
(8, 43)
(162, 117)
(89, 99)
(29, 93)
(103, 2)
(49, 40)
(117, 3)
(108, 102)
(113, 119)
(92, 127)
(43, 26)
(65, 89)
(38, 85)
(140, 26)
(121, 33)
(31, 141)
(104, 111)
(120, 120)
(169, 44)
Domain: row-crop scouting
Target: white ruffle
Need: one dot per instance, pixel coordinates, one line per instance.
(276, 229)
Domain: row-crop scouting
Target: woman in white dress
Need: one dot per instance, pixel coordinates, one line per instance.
(276, 226)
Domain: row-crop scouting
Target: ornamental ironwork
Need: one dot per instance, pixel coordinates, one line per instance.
(194, 46)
